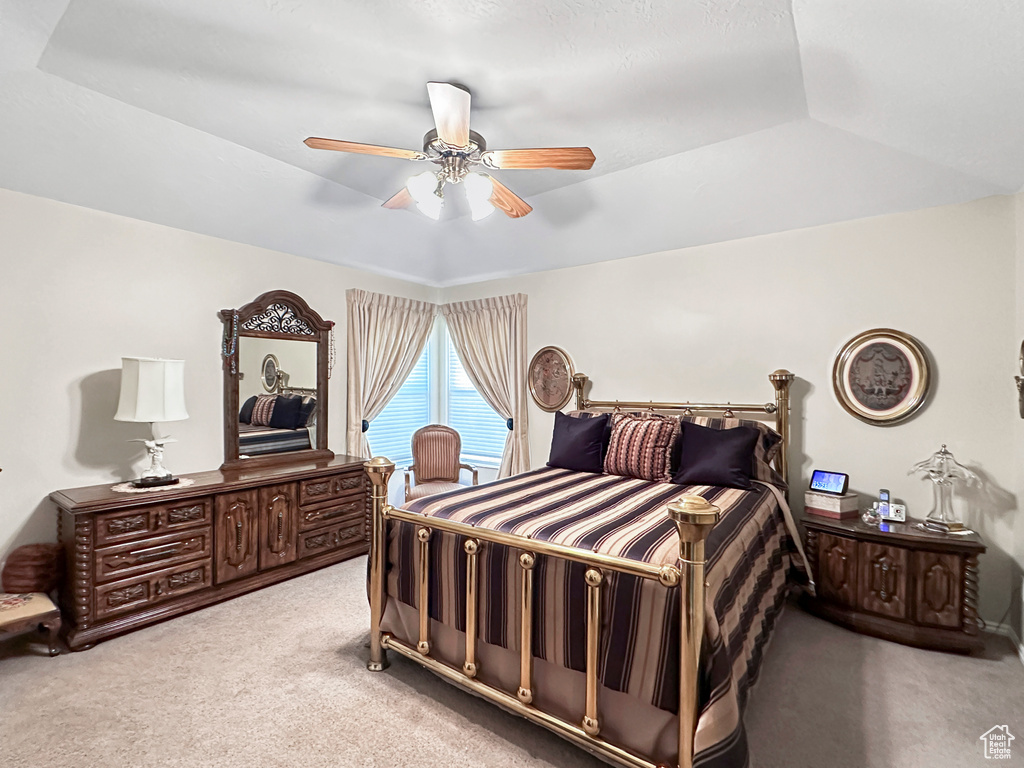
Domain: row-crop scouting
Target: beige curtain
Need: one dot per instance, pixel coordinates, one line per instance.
(386, 335)
(490, 338)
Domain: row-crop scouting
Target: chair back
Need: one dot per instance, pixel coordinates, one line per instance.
(435, 453)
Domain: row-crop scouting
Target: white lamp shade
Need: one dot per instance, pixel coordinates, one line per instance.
(151, 390)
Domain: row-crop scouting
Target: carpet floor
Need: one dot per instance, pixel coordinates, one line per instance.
(278, 678)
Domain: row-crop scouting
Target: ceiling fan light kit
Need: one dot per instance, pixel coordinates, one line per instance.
(457, 149)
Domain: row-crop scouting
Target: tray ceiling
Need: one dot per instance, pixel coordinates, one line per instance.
(711, 119)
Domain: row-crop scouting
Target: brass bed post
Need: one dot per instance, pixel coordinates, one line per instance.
(525, 690)
(379, 470)
(423, 646)
(781, 380)
(694, 518)
(594, 578)
(472, 547)
(579, 380)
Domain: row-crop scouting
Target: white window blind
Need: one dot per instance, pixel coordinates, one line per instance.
(482, 430)
(390, 434)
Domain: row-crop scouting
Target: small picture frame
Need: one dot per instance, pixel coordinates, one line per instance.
(550, 378)
(881, 376)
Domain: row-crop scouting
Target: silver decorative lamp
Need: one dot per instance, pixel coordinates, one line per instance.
(152, 390)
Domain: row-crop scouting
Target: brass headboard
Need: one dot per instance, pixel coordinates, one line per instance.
(780, 379)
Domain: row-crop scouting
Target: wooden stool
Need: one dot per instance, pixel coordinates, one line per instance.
(30, 612)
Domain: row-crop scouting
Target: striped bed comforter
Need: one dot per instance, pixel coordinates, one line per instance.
(256, 440)
(749, 555)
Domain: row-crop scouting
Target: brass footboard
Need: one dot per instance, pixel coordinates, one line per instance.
(694, 518)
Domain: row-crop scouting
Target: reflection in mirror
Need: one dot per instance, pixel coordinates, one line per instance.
(278, 355)
(278, 371)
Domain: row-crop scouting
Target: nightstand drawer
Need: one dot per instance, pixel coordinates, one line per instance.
(317, 517)
(883, 579)
(837, 568)
(939, 590)
(138, 557)
(115, 527)
(321, 489)
(120, 596)
(344, 533)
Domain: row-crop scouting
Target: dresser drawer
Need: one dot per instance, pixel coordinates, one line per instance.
(317, 517)
(143, 556)
(132, 594)
(320, 489)
(344, 533)
(138, 523)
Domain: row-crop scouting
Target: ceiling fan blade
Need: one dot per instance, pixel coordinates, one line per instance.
(450, 105)
(507, 201)
(401, 199)
(363, 149)
(565, 158)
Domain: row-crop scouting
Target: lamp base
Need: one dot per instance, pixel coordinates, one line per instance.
(154, 482)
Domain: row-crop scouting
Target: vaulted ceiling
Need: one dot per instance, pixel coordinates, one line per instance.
(711, 119)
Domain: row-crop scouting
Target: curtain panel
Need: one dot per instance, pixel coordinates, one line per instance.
(490, 338)
(386, 336)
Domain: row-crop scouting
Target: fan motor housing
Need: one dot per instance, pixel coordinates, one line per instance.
(433, 145)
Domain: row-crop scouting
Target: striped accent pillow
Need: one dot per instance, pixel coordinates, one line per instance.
(641, 446)
(765, 449)
(263, 411)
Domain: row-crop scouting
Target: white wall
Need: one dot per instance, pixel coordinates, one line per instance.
(79, 289)
(710, 323)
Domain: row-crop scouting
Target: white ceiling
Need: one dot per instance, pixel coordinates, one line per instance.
(711, 119)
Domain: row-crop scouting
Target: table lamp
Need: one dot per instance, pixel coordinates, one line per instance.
(152, 390)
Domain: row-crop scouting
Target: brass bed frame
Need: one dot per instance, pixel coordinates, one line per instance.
(694, 518)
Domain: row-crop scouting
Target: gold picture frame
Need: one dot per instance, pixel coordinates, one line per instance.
(550, 378)
(881, 376)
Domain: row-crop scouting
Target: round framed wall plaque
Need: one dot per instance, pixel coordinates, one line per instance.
(550, 378)
(270, 371)
(881, 376)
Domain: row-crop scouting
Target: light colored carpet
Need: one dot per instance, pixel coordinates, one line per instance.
(278, 678)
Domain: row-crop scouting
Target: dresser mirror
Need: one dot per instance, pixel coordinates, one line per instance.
(277, 357)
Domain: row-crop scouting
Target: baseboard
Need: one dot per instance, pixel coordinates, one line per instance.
(1007, 631)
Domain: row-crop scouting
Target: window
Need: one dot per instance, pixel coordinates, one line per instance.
(439, 391)
(390, 434)
(482, 430)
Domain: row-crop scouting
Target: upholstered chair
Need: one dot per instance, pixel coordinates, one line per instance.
(436, 451)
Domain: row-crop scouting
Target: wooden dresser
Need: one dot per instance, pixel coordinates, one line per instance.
(137, 558)
(903, 584)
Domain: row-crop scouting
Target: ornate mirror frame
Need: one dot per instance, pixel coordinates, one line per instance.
(274, 315)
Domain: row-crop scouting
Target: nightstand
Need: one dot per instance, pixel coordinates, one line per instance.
(904, 584)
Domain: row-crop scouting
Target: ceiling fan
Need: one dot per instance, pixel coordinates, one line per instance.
(456, 149)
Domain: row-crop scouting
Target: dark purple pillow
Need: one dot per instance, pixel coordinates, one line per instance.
(286, 412)
(245, 415)
(722, 457)
(578, 444)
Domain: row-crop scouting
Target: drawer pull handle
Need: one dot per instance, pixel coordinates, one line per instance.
(238, 536)
(280, 525)
(156, 554)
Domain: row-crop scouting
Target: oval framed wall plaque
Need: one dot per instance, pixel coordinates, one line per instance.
(550, 378)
